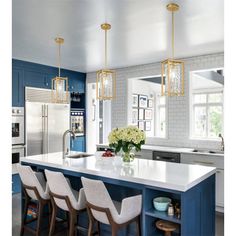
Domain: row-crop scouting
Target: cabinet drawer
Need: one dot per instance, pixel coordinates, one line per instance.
(144, 154)
(205, 160)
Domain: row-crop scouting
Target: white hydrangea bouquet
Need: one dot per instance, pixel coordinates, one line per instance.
(126, 139)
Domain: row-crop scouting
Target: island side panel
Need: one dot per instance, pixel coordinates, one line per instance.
(198, 209)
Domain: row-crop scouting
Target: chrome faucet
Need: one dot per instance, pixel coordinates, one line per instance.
(222, 143)
(66, 151)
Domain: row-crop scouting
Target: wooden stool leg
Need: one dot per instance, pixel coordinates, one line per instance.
(39, 218)
(53, 220)
(98, 227)
(138, 229)
(113, 231)
(167, 233)
(72, 224)
(24, 217)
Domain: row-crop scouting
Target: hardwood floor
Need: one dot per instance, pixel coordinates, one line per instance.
(16, 219)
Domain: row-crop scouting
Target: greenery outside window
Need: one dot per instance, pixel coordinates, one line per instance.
(207, 114)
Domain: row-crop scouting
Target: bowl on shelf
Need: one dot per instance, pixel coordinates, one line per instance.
(161, 203)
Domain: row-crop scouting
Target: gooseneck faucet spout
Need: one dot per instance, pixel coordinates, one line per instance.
(65, 150)
(222, 142)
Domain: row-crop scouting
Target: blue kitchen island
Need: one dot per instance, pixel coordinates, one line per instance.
(192, 186)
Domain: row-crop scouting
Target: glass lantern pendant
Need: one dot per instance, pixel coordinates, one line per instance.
(172, 71)
(60, 84)
(106, 81)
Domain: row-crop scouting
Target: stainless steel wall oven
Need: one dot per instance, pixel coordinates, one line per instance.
(18, 136)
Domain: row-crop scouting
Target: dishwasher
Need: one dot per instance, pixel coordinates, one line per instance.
(166, 156)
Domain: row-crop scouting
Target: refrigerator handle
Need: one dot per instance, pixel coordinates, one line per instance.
(43, 128)
(47, 128)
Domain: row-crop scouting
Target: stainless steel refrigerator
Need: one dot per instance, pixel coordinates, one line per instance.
(45, 122)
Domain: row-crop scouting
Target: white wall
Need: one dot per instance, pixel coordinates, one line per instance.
(178, 107)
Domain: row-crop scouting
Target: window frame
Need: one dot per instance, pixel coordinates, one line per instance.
(157, 120)
(207, 105)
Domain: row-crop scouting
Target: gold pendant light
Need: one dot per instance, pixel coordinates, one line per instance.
(106, 81)
(172, 71)
(60, 84)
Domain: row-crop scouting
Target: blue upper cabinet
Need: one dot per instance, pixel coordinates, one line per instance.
(36, 79)
(76, 80)
(40, 76)
(17, 84)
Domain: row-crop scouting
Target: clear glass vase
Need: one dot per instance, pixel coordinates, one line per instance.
(127, 157)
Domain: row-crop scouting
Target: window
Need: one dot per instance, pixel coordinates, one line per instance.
(161, 117)
(207, 114)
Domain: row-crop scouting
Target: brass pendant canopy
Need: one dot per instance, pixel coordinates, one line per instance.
(60, 92)
(106, 79)
(172, 71)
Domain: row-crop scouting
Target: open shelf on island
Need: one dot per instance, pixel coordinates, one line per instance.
(162, 215)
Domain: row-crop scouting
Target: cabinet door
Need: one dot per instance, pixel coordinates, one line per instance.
(220, 187)
(78, 144)
(17, 88)
(73, 83)
(36, 79)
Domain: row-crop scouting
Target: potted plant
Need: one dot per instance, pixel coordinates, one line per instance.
(126, 140)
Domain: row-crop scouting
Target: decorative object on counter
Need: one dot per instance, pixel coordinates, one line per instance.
(161, 203)
(143, 99)
(167, 226)
(177, 210)
(106, 81)
(60, 92)
(108, 153)
(126, 140)
(135, 100)
(170, 211)
(172, 71)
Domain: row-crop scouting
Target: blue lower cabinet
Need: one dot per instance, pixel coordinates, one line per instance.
(78, 144)
(16, 184)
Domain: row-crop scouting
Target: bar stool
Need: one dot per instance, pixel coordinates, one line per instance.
(102, 209)
(166, 226)
(35, 189)
(65, 198)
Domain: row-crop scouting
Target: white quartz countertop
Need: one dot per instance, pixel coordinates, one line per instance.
(172, 149)
(174, 176)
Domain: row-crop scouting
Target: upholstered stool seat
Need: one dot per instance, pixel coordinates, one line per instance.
(102, 209)
(35, 190)
(63, 196)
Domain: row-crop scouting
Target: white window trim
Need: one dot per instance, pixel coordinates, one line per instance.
(157, 121)
(207, 105)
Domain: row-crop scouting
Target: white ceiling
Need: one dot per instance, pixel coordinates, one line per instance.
(140, 31)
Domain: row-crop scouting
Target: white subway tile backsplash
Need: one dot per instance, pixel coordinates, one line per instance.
(178, 107)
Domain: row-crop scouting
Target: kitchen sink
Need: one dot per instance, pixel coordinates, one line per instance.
(79, 155)
(208, 151)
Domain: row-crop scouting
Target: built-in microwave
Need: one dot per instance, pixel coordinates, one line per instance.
(77, 118)
(18, 126)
